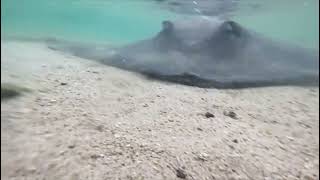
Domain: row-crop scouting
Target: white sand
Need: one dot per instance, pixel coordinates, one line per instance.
(107, 123)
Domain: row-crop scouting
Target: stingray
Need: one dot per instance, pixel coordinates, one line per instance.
(209, 53)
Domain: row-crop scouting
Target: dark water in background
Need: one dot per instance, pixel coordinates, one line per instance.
(123, 21)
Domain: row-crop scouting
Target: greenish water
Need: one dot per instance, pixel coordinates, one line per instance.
(122, 21)
(294, 21)
(95, 21)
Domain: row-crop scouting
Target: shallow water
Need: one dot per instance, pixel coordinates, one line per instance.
(95, 21)
(124, 21)
(294, 21)
(82, 120)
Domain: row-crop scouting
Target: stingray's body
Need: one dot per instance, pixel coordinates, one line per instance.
(208, 52)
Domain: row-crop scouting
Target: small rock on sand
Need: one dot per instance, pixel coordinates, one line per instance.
(230, 114)
(181, 173)
(202, 157)
(100, 128)
(209, 115)
(96, 156)
(71, 146)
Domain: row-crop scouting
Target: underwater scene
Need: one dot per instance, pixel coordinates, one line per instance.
(160, 89)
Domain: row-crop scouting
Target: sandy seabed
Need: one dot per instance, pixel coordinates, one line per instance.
(88, 121)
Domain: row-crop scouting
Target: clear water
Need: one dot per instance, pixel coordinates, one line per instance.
(294, 21)
(123, 21)
(89, 20)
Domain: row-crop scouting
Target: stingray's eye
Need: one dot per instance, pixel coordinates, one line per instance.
(231, 28)
(167, 26)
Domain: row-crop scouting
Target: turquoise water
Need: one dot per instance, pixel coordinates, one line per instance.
(123, 21)
(95, 21)
(294, 21)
